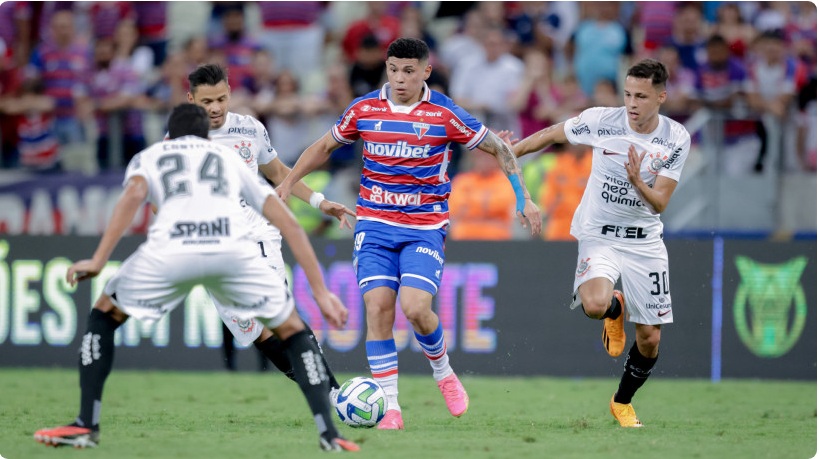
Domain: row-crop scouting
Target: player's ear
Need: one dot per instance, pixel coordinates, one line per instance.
(662, 96)
(427, 71)
(190, 97)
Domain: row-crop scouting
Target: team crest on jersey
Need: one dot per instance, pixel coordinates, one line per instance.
(244, 151)
(656, 161)
(583, 267)
(420, 129)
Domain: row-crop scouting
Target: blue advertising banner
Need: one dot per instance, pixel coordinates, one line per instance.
(503, 306)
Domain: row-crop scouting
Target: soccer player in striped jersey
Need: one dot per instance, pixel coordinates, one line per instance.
(402, 209)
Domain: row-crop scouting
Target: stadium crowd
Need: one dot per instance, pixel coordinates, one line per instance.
(86, 85)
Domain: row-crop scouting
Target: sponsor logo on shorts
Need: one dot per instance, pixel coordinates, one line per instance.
(662, 313)
(625, 232)
(609, 152)
(257, 305)
(433, 253)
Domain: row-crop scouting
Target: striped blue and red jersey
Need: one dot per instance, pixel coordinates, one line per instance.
(404, 181)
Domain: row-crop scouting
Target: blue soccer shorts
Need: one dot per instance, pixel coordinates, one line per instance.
(391, 256)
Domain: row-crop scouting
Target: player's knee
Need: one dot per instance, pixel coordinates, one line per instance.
(648, 344)
(105, 305)
(595, 309)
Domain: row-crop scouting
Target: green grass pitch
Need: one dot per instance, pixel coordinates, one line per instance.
(205, 415)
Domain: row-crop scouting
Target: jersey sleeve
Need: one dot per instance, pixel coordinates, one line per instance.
(266, 151)
(252, 187)
(673, 166)
(346, 128)
(138, 167)
(465, 128)
(580, 129)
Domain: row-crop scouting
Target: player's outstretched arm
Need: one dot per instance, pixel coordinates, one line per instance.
(278, 214)
(314, 156)
(526, 209)
(276, 171)
(131, 199)
(540, 140)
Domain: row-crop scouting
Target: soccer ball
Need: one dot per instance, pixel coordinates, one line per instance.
(361, 402)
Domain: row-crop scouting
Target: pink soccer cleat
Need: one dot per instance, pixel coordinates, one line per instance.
(455, 395)
(391, 421)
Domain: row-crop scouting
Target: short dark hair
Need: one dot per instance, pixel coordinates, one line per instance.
(207, 74)
(649, 68)
(188, 119)
(408, 48)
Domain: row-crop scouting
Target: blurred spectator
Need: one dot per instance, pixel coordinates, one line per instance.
(732, 27)
(806, 126)
(152, 23)
(127, 47)
(167, 92)
(655, 21)
(235, 46)
(367, 69)
(721, 78)
(800, 31)
(465, 43)
(327, 108)
(259, 88)
(605, 94)
(527, 22)
(293, 35)
(771, 87)
(31, 113)
(64, 65)
(15, 31)
(598, 45)
(104, 17)
(480, 201)
(413, 25)
(771, 16)
(383, 27)
(689, 35)
(116, 90)
(285, 118)
(537, 99)
(680, 86)
(494, 14)
(563, 188)
(485, 84)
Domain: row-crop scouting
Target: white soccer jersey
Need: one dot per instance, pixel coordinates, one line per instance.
(248, 137)
(197, 193)
(611, 209)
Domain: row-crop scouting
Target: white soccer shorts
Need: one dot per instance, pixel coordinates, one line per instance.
(644, 272)
(246, 331)
(149, 285)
